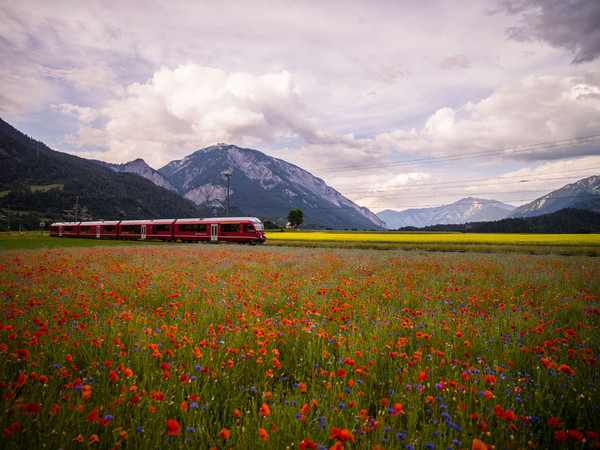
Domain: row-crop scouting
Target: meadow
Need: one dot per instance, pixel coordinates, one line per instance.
(219, 346)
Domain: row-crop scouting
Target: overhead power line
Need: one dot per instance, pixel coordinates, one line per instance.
(515, 150)
(480, 182)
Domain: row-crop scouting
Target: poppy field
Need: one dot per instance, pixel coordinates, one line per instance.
(217, 346)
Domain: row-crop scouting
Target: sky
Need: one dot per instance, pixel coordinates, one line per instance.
(397, 104)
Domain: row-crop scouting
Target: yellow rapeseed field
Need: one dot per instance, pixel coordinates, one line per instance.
(441, 238)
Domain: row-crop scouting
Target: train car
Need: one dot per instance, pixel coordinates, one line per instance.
(146, 229)
(227, 229)
(65, 229)
(102, 229)
(160, 229)
(192, 230)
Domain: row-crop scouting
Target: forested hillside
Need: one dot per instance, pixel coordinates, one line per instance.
(39, 184)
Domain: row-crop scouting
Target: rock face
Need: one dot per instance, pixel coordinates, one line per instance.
(262, 186)
(463, 211)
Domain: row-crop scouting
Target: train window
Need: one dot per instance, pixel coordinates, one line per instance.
(161, 228)
(109, 228)
(85, 229)
(230, 227)
(130, 228)
(70, 228)
(248, 228)
(192, 227)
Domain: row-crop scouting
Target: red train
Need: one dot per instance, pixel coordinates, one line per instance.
(247, 230)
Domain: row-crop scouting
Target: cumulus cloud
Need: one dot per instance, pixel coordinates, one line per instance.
(192, 106)
(569, 24)
(534, 110)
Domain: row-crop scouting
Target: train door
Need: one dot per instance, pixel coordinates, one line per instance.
(143, 232)
(97, 231)
(60, 229)
(214, 231)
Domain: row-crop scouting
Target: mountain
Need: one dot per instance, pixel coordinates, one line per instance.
(139, 167)
(584, 194)
(465, 210)
(40, 184)
(262, 186)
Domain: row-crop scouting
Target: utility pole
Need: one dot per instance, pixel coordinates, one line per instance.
(76, 207)
(228, 175)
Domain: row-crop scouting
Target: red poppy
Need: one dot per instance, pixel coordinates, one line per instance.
(264, 410)
(32, 408)
(560, 436)
(224, 433)
(566, 369)
(553, 422)
(306, 443)
(54, 409)
(478, 445)
(173, 427)
(575, 435)
(398, 408)
(509, 415)
(342, 435)
(490, 379)
(498, 411)
(21, 379)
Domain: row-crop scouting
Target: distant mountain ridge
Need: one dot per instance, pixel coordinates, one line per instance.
(465, 210)
(568, 220)
(581, 195)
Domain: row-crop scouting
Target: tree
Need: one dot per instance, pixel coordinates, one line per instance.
(295, 217)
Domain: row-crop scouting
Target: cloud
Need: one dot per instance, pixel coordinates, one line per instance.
(194, 106)
(569, 24)
(451, 62)
(516, 116)
(190, 107)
